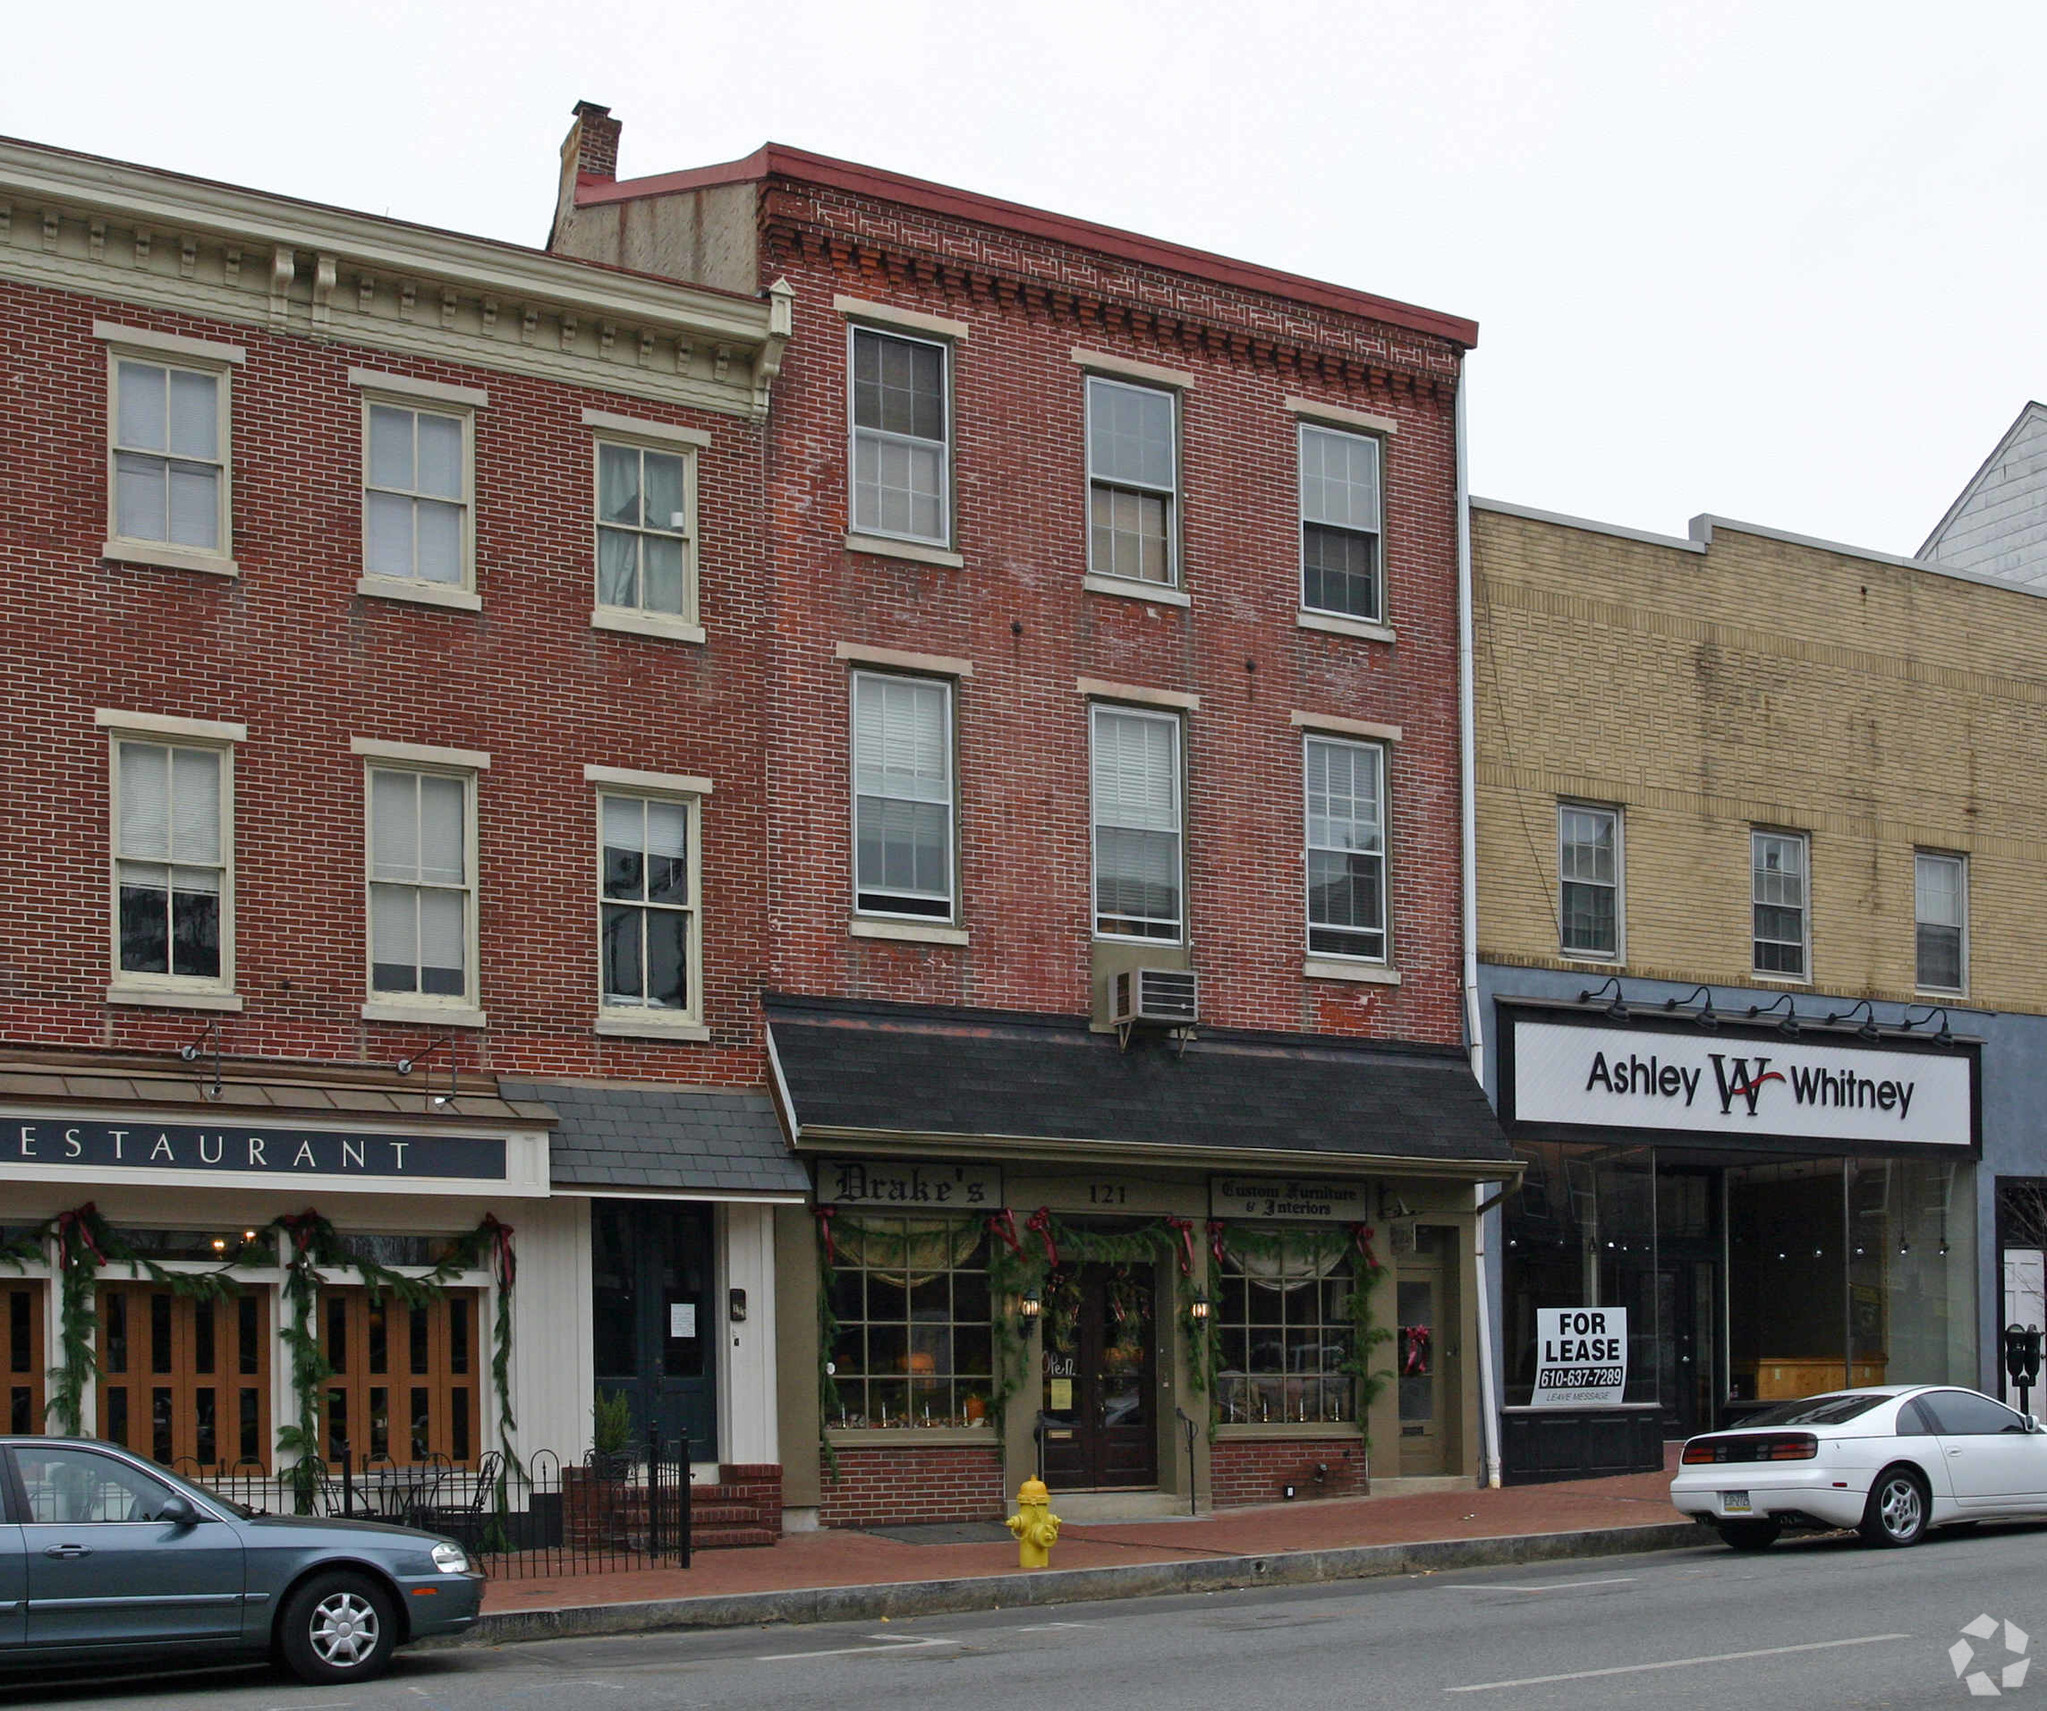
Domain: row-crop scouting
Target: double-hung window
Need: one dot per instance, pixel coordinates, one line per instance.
(902, 434)
(422, 885)
(1133, 465)
(1940, 911)
(173, 818)
(416, 494)
(902, 796)
(1340, 527)
(1588, 880)
(651, 904)
(1777, 862)
(167, 449)
(1137, 832)
(646, 527)
(1346, 790)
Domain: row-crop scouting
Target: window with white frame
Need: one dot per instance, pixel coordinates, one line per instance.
(646, 546)
(1588, 879)
(1133, 481)
(422, 883)
(1340, 524)
(1940, 889)
(416, 494)
(1777, 862)
(1136, 775)
(172, 831)
(169, 452)
(902, 796)
(650, 906)
(902, 474)
(1346, 801)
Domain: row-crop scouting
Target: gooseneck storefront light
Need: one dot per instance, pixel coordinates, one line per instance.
(1946, 1036)
(1618, 1009)
(1705, 1015)
(1869, 1029)
(1789, 1026)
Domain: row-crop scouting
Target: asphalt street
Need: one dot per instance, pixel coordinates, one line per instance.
(1819, 1623)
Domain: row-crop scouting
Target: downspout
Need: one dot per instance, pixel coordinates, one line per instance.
(1474, 1023)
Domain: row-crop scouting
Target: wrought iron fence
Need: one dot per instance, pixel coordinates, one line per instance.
(537, 1517)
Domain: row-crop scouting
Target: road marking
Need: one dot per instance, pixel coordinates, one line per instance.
(1047, 1627)
(1676, 1663)
(881, 1645)
(1550, 1586)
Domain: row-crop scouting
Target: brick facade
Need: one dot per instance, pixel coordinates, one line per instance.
(1258, 1470)
(893, 1486)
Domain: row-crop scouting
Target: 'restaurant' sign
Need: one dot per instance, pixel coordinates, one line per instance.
(62, 1145)
(1581, 1357)
(911, 1187)
(1286, 1199)
(1640, 1079)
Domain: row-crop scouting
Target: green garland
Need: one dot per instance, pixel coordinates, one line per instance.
(86, 1244)
(1322, 1245)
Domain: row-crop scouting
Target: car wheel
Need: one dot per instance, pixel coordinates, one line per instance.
(338, 1627)
(1750, 1535)
(1896, 1513)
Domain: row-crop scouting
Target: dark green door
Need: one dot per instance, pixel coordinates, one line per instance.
(656, 1316)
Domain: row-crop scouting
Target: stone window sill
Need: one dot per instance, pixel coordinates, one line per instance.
(907, 932)
(166, 557)
(419, 593)
(1335, 626)
(632, 623)
(425, 1015)
(168, 998)
(648, 1028)
(1252, 1430)
(881, 546)
(1125, 588)
(1331, 968)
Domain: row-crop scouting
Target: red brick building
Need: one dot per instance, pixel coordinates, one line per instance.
(382, 729)
(1112, 612)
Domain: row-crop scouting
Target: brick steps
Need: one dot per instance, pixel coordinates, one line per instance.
(743, 1508)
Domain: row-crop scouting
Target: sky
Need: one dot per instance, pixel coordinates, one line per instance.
(1776, 261)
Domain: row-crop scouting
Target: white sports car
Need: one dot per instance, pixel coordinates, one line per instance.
(1890, 1461)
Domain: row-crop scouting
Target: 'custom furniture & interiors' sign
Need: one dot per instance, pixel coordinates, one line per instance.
(1286, 1199)
(62, 1145)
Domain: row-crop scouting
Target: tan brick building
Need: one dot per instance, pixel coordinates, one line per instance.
(1737, 772)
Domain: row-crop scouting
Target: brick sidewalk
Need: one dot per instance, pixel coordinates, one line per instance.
(836, 1557)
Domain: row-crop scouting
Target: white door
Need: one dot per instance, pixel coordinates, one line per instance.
(2025, 1303)
(1994, 1461)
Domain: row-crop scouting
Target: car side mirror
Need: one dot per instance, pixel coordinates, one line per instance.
(178, 1511)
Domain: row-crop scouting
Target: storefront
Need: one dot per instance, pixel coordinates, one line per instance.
(1174, 1277)
(1773, 1213)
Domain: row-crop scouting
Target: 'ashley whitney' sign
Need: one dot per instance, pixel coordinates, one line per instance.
(62, 1145)
(1759, 1085)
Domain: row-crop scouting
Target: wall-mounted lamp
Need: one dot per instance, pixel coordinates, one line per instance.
(1028, 1310)
(735, 1306)
(1946, 1036)
(1789, 1025)
(208, 1041)
(1705, 1015)
(1869, 1029)
(1199, 1308)
(1618, 1009)
(406, 1065)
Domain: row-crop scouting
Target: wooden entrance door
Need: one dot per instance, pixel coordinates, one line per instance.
(1425, 1351)
(1100, 1393)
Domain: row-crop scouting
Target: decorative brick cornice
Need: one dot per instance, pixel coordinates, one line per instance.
(794, 229)
(131, 234)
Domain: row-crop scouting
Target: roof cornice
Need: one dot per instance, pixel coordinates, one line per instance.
(133, 233)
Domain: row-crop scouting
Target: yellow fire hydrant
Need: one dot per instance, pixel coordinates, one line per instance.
(1035, 1526)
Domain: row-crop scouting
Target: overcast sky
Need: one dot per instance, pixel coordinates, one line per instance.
(1778, 261)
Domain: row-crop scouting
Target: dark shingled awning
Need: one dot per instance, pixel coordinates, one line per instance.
(655, 1138)
(856, 1069)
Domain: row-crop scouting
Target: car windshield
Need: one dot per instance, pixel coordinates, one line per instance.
(1817, 1410)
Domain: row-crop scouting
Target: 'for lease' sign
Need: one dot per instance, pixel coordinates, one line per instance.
(1581, 1357)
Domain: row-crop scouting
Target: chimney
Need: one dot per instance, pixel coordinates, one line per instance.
(593, 141)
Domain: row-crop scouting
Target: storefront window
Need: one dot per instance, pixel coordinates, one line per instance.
(1912, 1266)
(184, 1381)
(404, 1381)
(1285, 1326)
(914, 1345)
(1582, 1233)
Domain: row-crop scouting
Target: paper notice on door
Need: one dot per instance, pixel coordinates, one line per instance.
(1061, 1399)
(682, 1318)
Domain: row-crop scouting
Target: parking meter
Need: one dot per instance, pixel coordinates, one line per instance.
(2022, 1361)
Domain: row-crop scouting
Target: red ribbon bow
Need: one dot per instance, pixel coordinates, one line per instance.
(1361, 1234)
(1415, 1363)
(1040, 1222)
(824, 1229)
(503, 1261)
(1003, 1224)
(78, 1223)
(1215, 1239)
(1184, 1229)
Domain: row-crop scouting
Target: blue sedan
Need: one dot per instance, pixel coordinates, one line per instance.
(106, 1557)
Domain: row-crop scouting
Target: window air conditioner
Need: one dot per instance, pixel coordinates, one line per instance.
(1160, 997)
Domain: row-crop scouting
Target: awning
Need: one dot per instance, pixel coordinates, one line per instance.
(685, 1141)
(926, 1079)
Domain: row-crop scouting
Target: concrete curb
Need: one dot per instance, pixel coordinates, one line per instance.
(1067, 1586)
